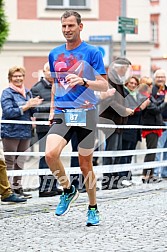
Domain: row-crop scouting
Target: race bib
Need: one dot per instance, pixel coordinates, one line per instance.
(75, 117)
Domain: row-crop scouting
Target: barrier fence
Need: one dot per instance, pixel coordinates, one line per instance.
(99, 168)
(99, 125)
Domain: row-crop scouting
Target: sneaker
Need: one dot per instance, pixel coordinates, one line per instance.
(93, 217)
(12, 199)
(19, 192)
(65, 201)
(148, 180)
(155, 180)
(82, 190)
(51, 193)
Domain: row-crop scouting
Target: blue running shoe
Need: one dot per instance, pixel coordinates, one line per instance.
(93, 217)
(65, 201)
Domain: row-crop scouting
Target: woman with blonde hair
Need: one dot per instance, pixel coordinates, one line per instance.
(17, 104)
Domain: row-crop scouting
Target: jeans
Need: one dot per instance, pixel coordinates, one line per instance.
(47, 183)
(162, 143)
(5, 190)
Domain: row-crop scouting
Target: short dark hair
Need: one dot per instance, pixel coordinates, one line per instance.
(122, 61)
(70, 13)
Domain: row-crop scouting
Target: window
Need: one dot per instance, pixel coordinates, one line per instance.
(154, 32)
(65, 4)
(155, 29)
(53, 9)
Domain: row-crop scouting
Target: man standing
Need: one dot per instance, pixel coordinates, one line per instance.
(47, 184)
(78, 70)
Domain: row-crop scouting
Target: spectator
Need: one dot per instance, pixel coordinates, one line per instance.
(47, 184)
(113, 108)
(17, 104)
(159, 91)
(130, 137)
(151, 116)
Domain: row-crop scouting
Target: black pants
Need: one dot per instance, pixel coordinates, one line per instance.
(151, 143)
(110, 180)
(127, 145)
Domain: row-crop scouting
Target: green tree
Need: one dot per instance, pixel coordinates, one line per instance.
(4, 25)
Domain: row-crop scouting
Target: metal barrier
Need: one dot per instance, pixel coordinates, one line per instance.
(97, 169)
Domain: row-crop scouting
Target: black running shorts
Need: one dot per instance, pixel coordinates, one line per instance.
(85, 134)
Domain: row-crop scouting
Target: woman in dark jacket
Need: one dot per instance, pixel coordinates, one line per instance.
(113, 110)
(151, 116)
(137, 102)
(17, 104)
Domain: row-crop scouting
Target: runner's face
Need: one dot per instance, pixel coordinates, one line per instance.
(71, 29)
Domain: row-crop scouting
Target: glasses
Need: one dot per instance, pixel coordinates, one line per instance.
(158, 77)
(17, 76)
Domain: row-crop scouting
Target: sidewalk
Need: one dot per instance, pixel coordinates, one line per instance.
(133, 219)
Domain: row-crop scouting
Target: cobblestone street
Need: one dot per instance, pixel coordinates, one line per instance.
(132, 219)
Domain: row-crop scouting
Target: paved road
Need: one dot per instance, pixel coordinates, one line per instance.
(132, 219)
